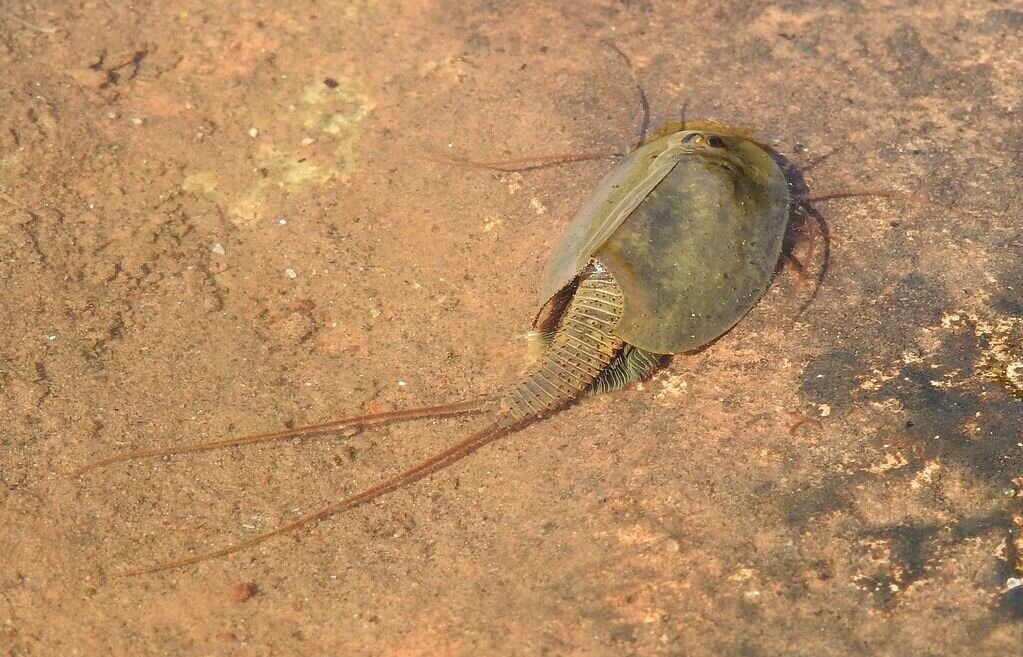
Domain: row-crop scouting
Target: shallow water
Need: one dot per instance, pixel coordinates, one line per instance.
(219, 220)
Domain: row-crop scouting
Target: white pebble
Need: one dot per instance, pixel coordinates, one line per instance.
(217, 248)
(253, 133)
(290, 273)
(307, 141)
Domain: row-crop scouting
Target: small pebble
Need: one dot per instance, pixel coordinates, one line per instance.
(282, 221)
(306, 141)
(243, 591)
(290, 273)
(136, 120)
(218, 248)
(253, 133)
(88, 77)
(296, 328)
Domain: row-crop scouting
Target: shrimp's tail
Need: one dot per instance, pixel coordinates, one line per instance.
(437, 462)
(373, 419)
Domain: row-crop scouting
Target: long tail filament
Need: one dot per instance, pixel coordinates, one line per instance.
(437, 462)
(372, 419)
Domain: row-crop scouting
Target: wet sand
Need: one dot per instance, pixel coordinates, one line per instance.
(222, 219)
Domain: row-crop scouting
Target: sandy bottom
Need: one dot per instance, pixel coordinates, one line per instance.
(219, 218)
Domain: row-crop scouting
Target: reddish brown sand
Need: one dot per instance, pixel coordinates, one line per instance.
(217, 218)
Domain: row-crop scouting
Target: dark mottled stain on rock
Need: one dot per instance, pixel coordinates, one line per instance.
(1010, 604)
(800, 507)
(1001, 20)
(940, 414)
(1009, 299)
(921, 72)
(834, 377)
(830, 378)
(917, 70)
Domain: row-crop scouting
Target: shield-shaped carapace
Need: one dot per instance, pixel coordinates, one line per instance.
(677, 243)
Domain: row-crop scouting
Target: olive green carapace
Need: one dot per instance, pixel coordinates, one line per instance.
(690, 226)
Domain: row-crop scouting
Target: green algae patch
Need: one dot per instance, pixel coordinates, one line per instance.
(311, 139)
(203, 182)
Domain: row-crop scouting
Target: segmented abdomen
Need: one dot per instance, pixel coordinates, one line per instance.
(581, 348)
